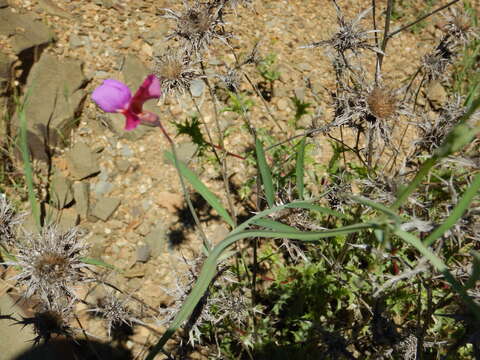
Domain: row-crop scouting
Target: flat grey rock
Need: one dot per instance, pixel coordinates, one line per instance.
(34, 33)
(82, 162)
(156, 240)
(105, 207)
(81, 192)
(61, 193)
(143, 253)
(55, 99)
(197, 86)
(186, 151)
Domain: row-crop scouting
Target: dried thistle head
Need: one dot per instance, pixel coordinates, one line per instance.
(115, 311)
(435, 63)
(175, 71)
(51, 319)
(434, 131)
(349, 36)
(381, 102)
(9, 220)
(198, 25)
(460, 26)
(231, 80)
(51, 263)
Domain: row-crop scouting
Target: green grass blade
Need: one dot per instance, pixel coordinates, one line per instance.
(374, 205)
(202, 189)
(272, 224)
(27, 164)
(457, 212)
(315, 207)
(299, 168)
(209, 269)
(265, 173)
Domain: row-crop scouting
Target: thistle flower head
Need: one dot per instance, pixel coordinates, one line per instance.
(51, 263)
(460, 26)
(8, 220)
(382, 104)
(434, 131)
(349, 36)
(197, 25)
(435, 63)
(175, 71)
(115, 311)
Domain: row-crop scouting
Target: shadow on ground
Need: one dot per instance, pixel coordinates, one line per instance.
(75, 350)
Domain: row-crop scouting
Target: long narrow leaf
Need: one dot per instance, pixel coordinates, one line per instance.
(27, 165)
(265, 173)
(315, 207)
(374, 205)
(209, 269)
(457, 212)
(300, 169)
(202, 189)
(272, 224)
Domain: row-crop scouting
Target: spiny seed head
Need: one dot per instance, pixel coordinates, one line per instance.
(115, 311)
(175, 71)
(436, 62)
(51, 262)
(8, 220)
(381, 103)
(197, 25)
(460, 26)
(349, 36)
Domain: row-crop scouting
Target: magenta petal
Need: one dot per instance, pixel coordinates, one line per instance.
(112, 95)
(132, 120)
(150, 89)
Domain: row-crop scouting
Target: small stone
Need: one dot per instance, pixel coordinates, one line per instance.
(436, 94)
(156, 240)
(97, 246)
(61, 191)
(105, 207)
(82, 162)
(143, 253)
(283, 104)
(102, 187)
(126, 151)
(102, 74)
(197, 86)
(123, 165)
(186, 151)
(143, 229)
(126, 42)
(81, 192)
(299, 93)
(75, 41)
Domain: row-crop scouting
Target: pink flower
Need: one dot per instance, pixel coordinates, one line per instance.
(114, 96)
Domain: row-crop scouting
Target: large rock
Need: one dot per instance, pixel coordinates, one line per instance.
(134, 72)
(25, 32)
(6, 102)
(55, 96)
